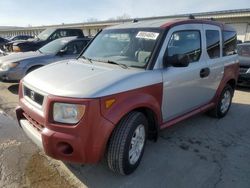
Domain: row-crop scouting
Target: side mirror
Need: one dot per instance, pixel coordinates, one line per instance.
(62, 52)
(177, 60)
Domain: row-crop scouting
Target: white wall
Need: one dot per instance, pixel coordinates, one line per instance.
(243, 31)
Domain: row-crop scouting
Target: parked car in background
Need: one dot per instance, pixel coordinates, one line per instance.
(2, 53)
(16, 65)
(130, 82)
(239, 41)
(20, 37)
(3, 41)
(8, 46)
(244, 58)
(45, 37)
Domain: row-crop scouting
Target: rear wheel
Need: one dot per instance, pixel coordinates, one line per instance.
(224, 103)
(127, 143)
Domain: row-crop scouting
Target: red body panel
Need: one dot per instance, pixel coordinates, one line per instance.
(88, 138)
(231, 72)
(196, 21)
(147, 97)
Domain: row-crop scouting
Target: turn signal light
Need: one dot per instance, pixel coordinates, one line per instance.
(109, 103)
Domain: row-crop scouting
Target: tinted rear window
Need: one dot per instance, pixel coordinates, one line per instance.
(229, 43)
(213, 43)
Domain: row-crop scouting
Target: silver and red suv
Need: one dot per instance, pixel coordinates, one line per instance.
(130, 82)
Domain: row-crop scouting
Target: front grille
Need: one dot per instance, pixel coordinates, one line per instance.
(34, 123)
(243, 70)
(34, 96)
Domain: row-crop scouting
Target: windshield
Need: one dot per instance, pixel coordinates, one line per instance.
(244, 50)
(45, 34)
(130, 47)
(53, 47)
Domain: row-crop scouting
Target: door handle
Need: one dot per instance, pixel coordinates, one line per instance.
(204, 72)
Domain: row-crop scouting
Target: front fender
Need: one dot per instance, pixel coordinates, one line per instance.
(147, 97)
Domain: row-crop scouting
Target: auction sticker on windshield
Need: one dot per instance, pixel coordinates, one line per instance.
(147, 35)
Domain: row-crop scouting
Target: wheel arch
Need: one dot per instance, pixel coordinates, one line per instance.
(153, 124)
(147, 100)
(29, 69)
(232, 82)
(230, 77)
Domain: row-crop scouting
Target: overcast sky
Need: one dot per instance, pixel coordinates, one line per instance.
(46, 12)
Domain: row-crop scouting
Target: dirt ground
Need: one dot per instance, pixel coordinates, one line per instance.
(199, 152)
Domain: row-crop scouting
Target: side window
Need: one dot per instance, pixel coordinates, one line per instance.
(229, 43)
(62, 33)
(185, 43)
(59, 34)
(73, 33)
(213, 43)
(75, 47)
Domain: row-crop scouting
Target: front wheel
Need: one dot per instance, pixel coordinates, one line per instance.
(224, 103)
(127, 143)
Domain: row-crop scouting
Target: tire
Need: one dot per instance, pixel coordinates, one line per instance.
(132, 128)
(224, 103)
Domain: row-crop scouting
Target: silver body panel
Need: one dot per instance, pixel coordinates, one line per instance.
(31, 132)
(183, 88)
(79, 78)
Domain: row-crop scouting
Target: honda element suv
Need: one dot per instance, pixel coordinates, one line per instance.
(130, 82)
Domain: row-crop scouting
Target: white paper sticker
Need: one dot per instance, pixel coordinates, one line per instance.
(147, 35)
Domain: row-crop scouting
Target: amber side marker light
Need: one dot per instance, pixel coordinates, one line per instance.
(109, 103)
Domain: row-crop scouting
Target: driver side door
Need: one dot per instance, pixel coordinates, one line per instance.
(185, 88)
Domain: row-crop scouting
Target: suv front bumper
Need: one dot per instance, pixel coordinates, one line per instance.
(244, 79)
(81, 143)
(31, 132)
(12, 75)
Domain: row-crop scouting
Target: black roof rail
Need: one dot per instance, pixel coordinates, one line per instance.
(191, 16)
(135, 21)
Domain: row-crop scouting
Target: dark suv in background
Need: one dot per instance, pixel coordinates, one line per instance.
(3, 41)
(45, 37)
(244, 58)
(20, 37)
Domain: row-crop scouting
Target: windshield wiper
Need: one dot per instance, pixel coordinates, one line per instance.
(115, 63)
(89, 60)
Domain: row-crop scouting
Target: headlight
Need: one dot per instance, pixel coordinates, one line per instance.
(248, 71)
(16, 49)
(68, 113)
(7, 66)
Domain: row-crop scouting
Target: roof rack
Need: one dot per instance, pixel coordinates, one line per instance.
(135, 21)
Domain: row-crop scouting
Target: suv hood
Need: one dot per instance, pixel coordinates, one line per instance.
(34, 40)
(80, 79)
(16, 57)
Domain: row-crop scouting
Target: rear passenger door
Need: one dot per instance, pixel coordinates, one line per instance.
(213, 53)
(185, 88)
